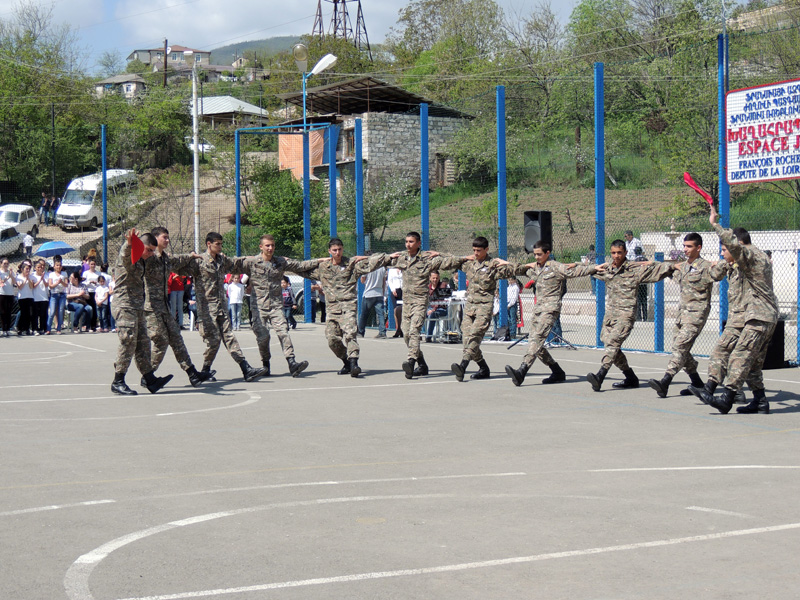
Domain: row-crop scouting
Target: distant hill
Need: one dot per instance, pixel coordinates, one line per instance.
(225, 55)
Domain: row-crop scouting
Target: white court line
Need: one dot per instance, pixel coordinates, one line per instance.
(48, 385)
(37, 359)
(277, 486)
(717, 511)
(715, 468)
(252, 400)
(26, 511)
(76, 580)
(76, 345)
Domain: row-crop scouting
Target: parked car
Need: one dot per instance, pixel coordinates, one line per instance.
(22, 217)
(82, 205)
(204, 145)
(11, 241)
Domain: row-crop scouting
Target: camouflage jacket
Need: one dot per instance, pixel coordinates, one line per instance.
(417, 272)
(737, 308)
(156, 273)
(128, 280)
(209, 281)
(696, 281)
(549, 280)
(482, 277)
(756, 271)
(266, 275)
(622, 281)
(339, 282)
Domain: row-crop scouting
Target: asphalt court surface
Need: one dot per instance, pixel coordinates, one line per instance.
(325, 486)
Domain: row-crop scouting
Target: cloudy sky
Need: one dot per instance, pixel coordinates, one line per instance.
(123, 25)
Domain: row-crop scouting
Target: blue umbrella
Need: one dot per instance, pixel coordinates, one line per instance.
(52, 248)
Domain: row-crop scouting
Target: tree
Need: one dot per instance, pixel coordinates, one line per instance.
(382, 202)
(110, 63)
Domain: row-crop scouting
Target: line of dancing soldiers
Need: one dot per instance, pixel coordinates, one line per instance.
(142, 314)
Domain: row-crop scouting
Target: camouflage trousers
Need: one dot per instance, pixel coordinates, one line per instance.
(474, 324)
(685, 334)
(414, 314)
(616, 329)
(341, 328)
(133, 340)
(541, 326)
(739, 355)
(259, 329)
(216, 329)
(272, 318)
(163, 330)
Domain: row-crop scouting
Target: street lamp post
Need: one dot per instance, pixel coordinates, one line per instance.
(195, 153)
(300, 54)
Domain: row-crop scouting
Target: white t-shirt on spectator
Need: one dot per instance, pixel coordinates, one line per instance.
(235, 293)
(24, 290)
(99, 295)
(62, 280)
(41, 293)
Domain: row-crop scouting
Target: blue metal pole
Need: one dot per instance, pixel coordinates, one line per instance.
(236, 142)
(724, 188)
(359, 189)
(599, 194)
(306, 222)
(502, 217)
(105, 195)
(658, 315)
(333, 134)
(798, 306)
(424, 175)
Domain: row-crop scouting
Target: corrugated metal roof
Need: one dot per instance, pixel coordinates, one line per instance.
(220, 105)
(366, 94)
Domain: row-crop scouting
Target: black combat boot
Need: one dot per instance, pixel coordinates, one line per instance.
(518, 375)
(355, 370)
(194, 377)
(295, 368)
(597, 379)
(250, 374)
(153, 383)
(459, 369)
(557, 375)
(661, 386)
(266, 368)
(207, 374)
(422, 367)
(345, 370)
(705, 393)
(630, 381)
(697, 382)
(725, 401)
(483, 370)
(118, 386)
(408, 368)
(758, 405)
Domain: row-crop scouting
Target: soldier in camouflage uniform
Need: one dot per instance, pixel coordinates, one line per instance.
(622, 277)
(339, 279)
(417, 267)
(482, 273)
(266, 272)
(761, 315)
(129, 316)
(696, 277)
(214, 323)
(162, 327)
(548, 277)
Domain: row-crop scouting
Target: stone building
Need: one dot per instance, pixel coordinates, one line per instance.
(390, 125)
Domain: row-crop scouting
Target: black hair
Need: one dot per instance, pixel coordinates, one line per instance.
(480, 242)
(335, 242)
(148, 239)
(742, 235)
(543, 246)
(694, 237)
(415, 235)
(157, 231)
(618, 244)
(212, 237)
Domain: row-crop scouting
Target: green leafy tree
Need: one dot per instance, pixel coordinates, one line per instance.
(382, 202)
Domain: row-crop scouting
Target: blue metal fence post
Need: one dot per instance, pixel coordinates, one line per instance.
(238, 168)
(424, 176)
(359, 199)
(658, 314)
(333, 135)
(724, 187)
(798, 306)
(599, 195)
(306, 224)
(502, 217)
(105, 194)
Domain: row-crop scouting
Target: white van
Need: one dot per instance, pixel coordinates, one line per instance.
(82, 204)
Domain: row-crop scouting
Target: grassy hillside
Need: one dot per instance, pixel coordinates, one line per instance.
(225, 55)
